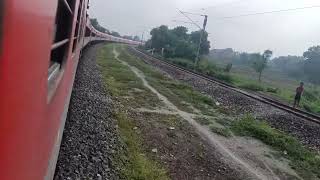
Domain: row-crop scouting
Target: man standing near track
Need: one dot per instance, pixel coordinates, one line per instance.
(299, 92)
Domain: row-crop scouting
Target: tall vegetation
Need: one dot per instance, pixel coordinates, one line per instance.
(312, 64)
(177, 42)
(291, 65)
(261, 61)
(305, 68)
(97, 26)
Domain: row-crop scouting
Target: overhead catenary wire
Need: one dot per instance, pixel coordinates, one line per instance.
(186, 22)
(196, 14)
(192, 21)
(268, 12)
(223, 4)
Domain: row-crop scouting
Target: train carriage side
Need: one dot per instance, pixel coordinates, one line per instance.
(41, 44)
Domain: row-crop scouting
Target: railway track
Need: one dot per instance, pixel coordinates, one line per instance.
(298, 112)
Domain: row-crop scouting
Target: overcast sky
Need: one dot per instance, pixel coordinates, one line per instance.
(284, 33)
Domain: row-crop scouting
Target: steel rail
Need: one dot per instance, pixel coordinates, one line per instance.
(298, 112)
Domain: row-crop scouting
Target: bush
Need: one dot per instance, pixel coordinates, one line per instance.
(182, 62)
(228, 68)
(307, 107)
(207, 67)
(223, 77)
(312, 107)
(252, 87)
(272, 90)
(310, 95)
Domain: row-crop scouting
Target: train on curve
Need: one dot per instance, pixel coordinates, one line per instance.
(40, 46)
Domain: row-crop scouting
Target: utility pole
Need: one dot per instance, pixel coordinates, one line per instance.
(200, 41)
(202, 30)
(142, 37)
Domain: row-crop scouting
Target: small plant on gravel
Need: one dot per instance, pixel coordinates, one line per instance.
(302, 159)
(223, 77)
(224, 121)
(272, 90)
(203, 121)
(221, 131)
(252, 87)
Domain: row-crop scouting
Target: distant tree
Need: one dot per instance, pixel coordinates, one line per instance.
(94, 22)
(127, 37)
(267, 54)
(205, 44)
(177, 42)
(136, 38)
(160, 37)
(293, 66)
(181, 32)
(228, 67)
(116, 34)
(245, 58)
(261, 62)
(148, 44)
(184, 49)
(312, 64)
(97, 26)
(227, 55)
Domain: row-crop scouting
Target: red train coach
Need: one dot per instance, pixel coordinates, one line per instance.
(40, 45)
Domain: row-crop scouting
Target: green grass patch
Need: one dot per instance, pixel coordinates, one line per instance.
(203, 121)
(224, 121)
(182, 62)
(311, 101)
(122, 82)
(221, 131)
(223, 77)
(137, 166)
(175, 91)
(304, 161)
(272, 90)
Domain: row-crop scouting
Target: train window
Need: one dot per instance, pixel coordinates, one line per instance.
(76, 37)
(88, 32)
(61, 42)
(62, 28)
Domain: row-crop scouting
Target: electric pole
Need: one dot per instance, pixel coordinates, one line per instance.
(202, 31)
(142, 37)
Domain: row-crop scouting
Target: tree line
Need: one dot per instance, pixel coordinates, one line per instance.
(305, 67)
(177, 42)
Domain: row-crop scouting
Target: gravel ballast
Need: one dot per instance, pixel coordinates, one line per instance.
(90, 138)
